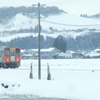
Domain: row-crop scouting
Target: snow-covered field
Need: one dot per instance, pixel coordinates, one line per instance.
(77, 79)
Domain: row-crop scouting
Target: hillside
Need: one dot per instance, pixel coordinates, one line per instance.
(60, 21)
(63, 24)
(76, 30)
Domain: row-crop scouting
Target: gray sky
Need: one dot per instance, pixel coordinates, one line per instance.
(75, 7)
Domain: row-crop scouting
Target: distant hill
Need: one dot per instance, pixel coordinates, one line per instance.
(7, 13)
(19, 27)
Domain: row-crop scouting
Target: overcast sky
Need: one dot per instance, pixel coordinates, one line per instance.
(75, 7)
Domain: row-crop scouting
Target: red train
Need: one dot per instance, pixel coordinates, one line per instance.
(10, 57)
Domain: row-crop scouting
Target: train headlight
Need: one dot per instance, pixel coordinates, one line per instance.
(18, 59)
(7, 59)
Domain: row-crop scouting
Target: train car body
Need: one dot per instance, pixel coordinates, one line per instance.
(10, 57)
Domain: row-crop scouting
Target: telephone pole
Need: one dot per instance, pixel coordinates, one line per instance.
(39, 56)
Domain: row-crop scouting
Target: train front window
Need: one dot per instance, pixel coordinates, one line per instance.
(7, 52)
(12, 53)
(17, 52)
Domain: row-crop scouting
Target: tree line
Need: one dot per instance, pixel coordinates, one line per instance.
(87, 42)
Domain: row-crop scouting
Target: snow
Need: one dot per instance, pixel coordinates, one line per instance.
(20, 35)
(61, 22)
(77, 79)
(67, 21)
(47, 50)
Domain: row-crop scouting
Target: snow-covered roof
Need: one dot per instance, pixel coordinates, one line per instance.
(96, 50)
(47, 50)
(44, 50)
(22, 50)
(93, 54)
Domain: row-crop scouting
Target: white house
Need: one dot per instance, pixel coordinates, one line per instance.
(93, 54)
(50, 53)
(66, 55)
(27, 54)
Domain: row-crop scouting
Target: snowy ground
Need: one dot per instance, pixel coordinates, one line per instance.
(76, 79)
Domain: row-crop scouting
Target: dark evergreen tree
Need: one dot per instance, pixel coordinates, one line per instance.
(60, 44)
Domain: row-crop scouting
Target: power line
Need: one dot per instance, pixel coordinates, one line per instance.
(70, 24)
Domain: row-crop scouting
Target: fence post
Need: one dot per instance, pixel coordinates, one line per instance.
(48, 72)
(31, 72)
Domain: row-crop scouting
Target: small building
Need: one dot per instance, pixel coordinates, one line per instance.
(50, 53)
(97, 50)
(27, 54)
(93, 54)
(66, 55)
(78, 55)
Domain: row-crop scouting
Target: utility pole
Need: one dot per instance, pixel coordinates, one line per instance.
(39, 41)
(39, 56)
